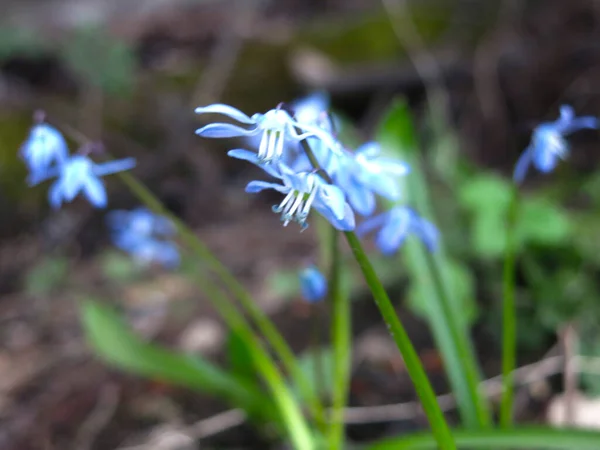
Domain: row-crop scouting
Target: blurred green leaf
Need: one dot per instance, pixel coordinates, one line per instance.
(101, 60)
(239, 357)
(317, 366)
(463, 285)
(534, 438)
(47, 275)
(541, 222)
(118, 267)
(485, 193)
(436, 286)
(114, 342)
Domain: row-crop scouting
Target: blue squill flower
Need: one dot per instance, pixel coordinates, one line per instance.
(313, 285)
(394, 227)
(80, 174)
(364, 173)
(145, 236)
(310, 109)
(276, 128)
(548, 144)
(304, 190)
(45, 147)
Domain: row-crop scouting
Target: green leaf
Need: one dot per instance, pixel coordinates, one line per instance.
(441, 295)
(489, 235)
(543, 223)
(114, 342)
(47, 275)
(485, 193)
(118, 267)
(317, 366)
(463, 285)
(240, 359)
(537, 438)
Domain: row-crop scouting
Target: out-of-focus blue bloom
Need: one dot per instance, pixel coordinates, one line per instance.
(144, 235)
(310, 109)
(364, 173)
(548, 143)
(45, 146)
(305, 190)
(80, 174)
(276, 128)
(313, 285)
(394, 227)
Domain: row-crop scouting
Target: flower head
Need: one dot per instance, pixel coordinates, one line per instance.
(276, 128)
(394, 227)
(144, 235)
(310, 109)
(548, 144)
(306, 190)
(45, 146)
(313, 285)
(80, 174)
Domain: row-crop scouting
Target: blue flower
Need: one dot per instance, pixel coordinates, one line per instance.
(310, 109)
(313, 285)
(80, 174)
(276, 128)
(365, 173)
(548, 144)
(44, 147)
(394, 227)
(144, 235)
(304, 190)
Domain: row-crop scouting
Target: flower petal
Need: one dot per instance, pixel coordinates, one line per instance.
(257, 186)
(94, 190)
(247, 155)
(522, 165)
(55, 195)
(219, 108)
(313, 284)
(394, 232)
(225, 130)
(110, 167)
(332, 198)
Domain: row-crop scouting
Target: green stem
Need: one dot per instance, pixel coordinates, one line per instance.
(263, 323)
(439, 426)
(341, 338)
(509, 317)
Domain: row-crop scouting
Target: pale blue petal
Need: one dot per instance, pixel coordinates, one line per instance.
(110, 167)
(522, 165)
(38, 176)
(372, 224)
(394, 231)
(332, 198)
(95, 192)
(361, 199)
(428, 233)
(543, 159)
(567, 113)
(225, 130)
(580, 123)
(252, 157)
(55, 195)
(257, 186)
(219, 108)
(345, 223)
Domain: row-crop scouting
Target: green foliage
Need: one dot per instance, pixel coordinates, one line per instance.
(101, 60)
(114, 342)
(118, 267)
(525, 438)
(20, 41)
(47, 275)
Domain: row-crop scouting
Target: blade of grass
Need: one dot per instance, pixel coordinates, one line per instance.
(534, 438)
(449, 329)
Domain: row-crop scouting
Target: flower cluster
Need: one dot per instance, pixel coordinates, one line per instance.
(299, 149)
(145, 236)
(46, 156)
